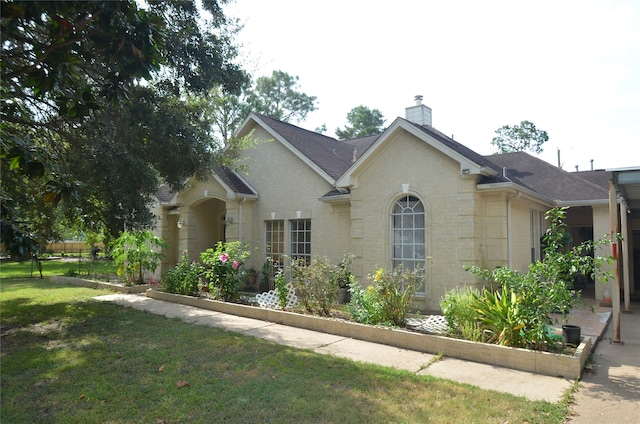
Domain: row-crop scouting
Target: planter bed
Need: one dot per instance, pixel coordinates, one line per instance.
(95, 284)
(553, 364)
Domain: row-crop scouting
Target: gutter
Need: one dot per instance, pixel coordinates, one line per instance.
(509, 228)
(244, 199)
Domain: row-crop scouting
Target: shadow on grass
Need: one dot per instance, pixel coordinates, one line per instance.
(97, 362)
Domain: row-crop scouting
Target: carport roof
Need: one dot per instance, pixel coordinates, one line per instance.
(627, 183)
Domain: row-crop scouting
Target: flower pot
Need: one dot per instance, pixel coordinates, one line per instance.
(571, 335)
(344, 296)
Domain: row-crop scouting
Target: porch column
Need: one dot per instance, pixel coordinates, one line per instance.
(615, 285)
(626, 262)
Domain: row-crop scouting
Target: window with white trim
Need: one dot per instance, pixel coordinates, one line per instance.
(408, 234)
(274, 241)
(300, 239)
(408, 240)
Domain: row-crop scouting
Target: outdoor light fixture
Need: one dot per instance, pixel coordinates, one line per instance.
(180, 223)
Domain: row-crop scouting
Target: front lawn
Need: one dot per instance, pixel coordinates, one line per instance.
(75, 267)
(67, 358)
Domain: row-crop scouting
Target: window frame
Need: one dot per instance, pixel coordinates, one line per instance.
(408, 209)
(300, 237)
(275, 256)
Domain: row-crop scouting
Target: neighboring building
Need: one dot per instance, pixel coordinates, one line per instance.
(410, 196)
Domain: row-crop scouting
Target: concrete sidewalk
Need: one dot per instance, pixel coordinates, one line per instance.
(612, 392)
(519, 383)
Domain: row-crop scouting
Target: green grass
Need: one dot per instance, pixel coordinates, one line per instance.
(67, 358)
(50, 268)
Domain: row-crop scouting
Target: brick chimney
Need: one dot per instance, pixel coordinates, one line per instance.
(418, 114)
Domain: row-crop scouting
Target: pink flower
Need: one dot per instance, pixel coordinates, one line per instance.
(235, 265)
(224, 257)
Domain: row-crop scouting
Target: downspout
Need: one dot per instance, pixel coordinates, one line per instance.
(244, 199)
(509, 228)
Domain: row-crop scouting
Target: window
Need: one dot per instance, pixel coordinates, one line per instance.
(408, 234)
(274, 231)
(301, 239)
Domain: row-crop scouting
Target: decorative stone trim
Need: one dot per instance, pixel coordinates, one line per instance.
(545, 363)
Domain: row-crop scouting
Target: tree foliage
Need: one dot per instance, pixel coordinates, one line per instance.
(363, 122)
(519, 138)
(277, 96)
(96, 107)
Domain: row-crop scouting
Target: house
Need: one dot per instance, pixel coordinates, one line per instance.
(410, 196)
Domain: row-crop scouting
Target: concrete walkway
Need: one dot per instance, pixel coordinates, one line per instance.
(519, 383)
(612, 392)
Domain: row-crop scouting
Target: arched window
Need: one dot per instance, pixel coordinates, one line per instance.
(408, 233)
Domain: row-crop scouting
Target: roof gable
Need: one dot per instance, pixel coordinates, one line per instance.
(470, 162)
(233, 183)
(327, 156)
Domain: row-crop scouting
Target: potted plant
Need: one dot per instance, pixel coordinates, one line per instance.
(267, 268)
(345, 278)
(251, 276)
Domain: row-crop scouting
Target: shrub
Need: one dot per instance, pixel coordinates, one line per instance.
(222, 269)
(135, 255)
(185, 278)
(317, 283)
(282, 291)
(526, 300)
(459, 309)
(500, 317)
(365, 306)
(387, 299)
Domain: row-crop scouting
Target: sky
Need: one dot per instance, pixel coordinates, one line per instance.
(572, 67)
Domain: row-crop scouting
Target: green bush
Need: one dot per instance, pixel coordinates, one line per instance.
(185, 278)
(135, 255)
(387, 299)
(316, 284)
(518, 314)
(222, 269)
(365, 306)
(500, 317)
(282, 291)
(459, 309)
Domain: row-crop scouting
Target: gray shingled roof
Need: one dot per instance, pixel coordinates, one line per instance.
(598, 177)
(335, 157)
(232, 180)
(548, 180)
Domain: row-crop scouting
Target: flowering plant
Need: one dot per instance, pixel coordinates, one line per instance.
(223, 268)
(388, 297)
(184, 278)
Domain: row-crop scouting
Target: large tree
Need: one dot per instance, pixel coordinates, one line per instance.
(519, 138)
(75, 110)
(363, 122)
(278, 96)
